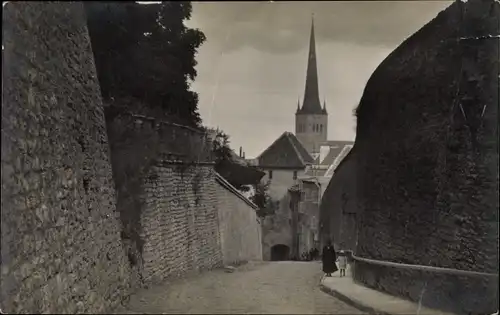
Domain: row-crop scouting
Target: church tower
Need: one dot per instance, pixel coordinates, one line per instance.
(311, 121)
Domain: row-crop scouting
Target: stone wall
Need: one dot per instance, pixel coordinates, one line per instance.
(166, 195)
(427, 162)
(144, 152)
(177, 218)
(80, 228)
(179, 222)
(61, 249)
(239, 226)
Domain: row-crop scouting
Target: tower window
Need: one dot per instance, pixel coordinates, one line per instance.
(294, 175)
(270, 174)
(320, 128)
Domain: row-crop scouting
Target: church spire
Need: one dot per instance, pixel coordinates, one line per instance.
(312, 103)
(298, 105)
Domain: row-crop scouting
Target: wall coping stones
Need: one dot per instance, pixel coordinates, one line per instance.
(170, 162)
(235, 191)
(161, 122)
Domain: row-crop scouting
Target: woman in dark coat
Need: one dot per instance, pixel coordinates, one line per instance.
(329, 257)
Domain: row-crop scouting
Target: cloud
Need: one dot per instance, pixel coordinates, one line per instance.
(283, 27)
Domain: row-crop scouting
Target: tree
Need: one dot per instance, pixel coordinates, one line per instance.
(262, 199)
(221, 149)
(146, 52)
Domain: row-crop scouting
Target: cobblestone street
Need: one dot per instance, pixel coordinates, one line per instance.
(265, 288)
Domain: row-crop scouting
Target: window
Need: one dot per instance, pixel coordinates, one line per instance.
(320, 128)
(294, 174)
(270, 174)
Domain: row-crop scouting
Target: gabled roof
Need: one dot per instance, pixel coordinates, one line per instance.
(336, 152)
(332, 154)
(334, 149)
(345, 151)
(285, 152)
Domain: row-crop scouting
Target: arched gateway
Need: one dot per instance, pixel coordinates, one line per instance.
(280, 252)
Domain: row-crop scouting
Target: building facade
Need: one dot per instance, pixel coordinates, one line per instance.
(283, 162)
(308, 214)
(299, 167)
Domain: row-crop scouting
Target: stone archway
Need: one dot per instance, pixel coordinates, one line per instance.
(280, 252)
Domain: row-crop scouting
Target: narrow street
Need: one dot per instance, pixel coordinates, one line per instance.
(258, 288)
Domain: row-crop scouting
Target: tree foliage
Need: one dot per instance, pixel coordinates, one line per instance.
(261, 197)
(222, 151)
(146, 52)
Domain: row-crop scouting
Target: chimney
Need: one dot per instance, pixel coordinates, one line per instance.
(243, 154)
(241, 150)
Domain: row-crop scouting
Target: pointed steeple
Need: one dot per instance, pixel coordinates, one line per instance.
(324, 107)
(312, 103)
(298, 105)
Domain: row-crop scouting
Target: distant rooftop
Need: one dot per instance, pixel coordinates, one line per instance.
(285, 152)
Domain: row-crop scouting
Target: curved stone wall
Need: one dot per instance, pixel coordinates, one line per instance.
(427, 161)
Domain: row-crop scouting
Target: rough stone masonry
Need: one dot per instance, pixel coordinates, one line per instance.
(427, 162)
(75, 237)
(61, 249)
(179, 216)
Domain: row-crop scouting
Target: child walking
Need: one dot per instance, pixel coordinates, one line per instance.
(342, 260)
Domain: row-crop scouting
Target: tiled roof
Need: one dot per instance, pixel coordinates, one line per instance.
(238, 171)
(345, 151)
(285, 152)
(332, 154)
(302, 151)
(238, 174)
(337, 150)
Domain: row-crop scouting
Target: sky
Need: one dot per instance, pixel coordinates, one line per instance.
(251, 69)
